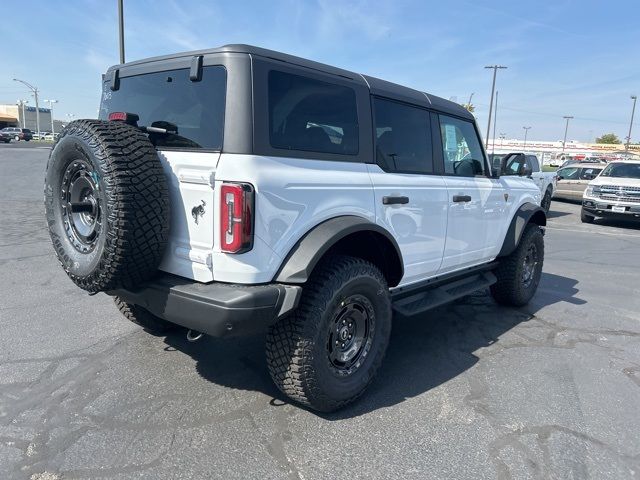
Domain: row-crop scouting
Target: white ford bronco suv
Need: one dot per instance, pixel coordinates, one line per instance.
(240, 190)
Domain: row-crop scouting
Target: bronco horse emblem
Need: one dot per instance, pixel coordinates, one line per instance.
(198, 211)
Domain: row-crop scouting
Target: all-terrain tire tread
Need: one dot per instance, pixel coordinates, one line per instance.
(506, 290)
(137, 205)
(143, 317)
(289, 348)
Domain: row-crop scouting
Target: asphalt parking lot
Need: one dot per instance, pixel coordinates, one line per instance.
(472, 390)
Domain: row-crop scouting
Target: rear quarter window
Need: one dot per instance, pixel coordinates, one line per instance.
(195, 110)
(311, 115)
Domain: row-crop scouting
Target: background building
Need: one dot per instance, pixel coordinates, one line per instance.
(12, 116)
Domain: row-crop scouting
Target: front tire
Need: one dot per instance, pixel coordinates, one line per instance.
(325, 354)
(519, 273)
(546, 201)
(585, 217)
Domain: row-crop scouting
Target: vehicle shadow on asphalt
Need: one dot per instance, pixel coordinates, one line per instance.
(556, 214)
(424, 351)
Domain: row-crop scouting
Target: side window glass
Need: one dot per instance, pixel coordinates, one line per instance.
(570, 173)
(589, 173)
(533, 163)
(403, 137)
(514, 164)
(311, 115)
(462, 151)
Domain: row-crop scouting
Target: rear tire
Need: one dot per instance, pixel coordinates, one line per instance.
(585, 217)
(142, 317)
(519, 273)
(326, 353)
(546, 201)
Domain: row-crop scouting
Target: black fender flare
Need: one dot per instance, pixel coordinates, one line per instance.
(305, 255)
(527, 213)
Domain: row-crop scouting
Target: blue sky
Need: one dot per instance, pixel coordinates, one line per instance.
(565, 57)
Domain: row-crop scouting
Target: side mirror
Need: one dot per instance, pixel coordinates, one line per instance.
(496, 170)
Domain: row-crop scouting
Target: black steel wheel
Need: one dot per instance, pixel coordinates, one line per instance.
(326, 353)
(351, 334)
(81, 206)
(519, 273)
(529, 265)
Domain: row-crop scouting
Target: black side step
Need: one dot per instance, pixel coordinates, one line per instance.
(435, 297)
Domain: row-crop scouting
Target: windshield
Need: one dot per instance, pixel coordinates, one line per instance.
(622, 170)
(191, 112)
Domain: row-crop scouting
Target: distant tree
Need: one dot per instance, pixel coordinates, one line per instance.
(469, 106)
(610, 138)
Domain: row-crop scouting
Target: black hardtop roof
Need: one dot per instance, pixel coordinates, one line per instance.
(376, 85)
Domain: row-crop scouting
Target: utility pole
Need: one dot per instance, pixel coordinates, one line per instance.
(51, 102)
(121, 29)
(22, 103)
(35, 94)
(633, 111)
(526, 131)
(495, 120)
(493, 89)
(566, 128)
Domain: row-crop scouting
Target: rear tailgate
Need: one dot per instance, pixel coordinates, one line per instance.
(191, 178)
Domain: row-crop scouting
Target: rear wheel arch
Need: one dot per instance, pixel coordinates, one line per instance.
(345, 235)
(528, 213)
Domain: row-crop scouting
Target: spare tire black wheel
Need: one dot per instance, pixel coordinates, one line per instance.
(107, 204)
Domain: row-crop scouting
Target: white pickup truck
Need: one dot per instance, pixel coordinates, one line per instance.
(517, 163)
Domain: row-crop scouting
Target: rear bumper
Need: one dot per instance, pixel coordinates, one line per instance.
(217, 309)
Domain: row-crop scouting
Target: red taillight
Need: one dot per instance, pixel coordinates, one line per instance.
(121, 116)
(130, 118)
(236, 217)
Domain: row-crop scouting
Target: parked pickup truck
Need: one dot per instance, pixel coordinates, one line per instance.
(615, 193)
(517, 163)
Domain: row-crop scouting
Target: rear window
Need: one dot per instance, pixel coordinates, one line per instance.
(194, 110)
(403, 137)
(311, 115)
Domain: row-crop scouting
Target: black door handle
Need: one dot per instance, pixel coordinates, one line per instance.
(461, 198)
(395, 200)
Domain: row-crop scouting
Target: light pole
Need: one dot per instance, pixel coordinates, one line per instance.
(51, 102)
(493, 89)
(121, 29)
(633, 111)
(502, 137)
(495, 120)
(566, 128)
(22, 103)
(526, 131)
(35, 94)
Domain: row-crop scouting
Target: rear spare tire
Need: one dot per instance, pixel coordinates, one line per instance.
(107, 204)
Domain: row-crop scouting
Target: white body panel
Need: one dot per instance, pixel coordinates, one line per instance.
(190, 178)
(420, 226)
(292, 195)
(474, 227)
